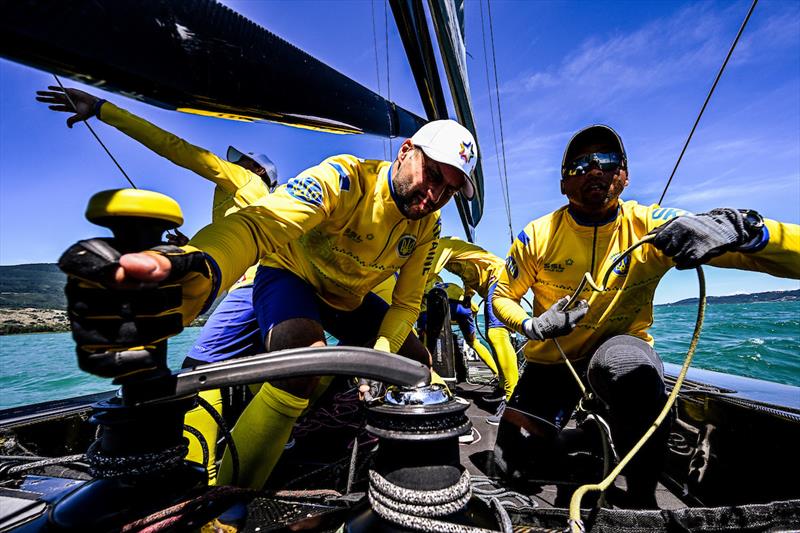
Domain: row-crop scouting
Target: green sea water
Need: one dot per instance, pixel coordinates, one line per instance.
(758, 340)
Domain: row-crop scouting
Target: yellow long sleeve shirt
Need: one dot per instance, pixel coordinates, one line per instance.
(337, 226)
(477, 268)
(552, 253)
(236, 187)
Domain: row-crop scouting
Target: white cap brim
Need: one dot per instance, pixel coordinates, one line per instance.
(468, 189)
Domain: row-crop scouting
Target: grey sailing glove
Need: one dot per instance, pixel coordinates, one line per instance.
(554, 322)
(692, 240)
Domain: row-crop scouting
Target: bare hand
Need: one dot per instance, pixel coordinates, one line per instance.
(142, 267)
(59, 100)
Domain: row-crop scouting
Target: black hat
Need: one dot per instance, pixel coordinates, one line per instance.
(595, 134)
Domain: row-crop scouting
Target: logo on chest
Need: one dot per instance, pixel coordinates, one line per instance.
(558, 266)
(621, 269)
(406, 245)
(352, 235)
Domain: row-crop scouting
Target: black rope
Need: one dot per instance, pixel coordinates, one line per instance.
(499, 117)
(503, 189)
(388, 80)
(377, 67)
(714, 86)
(226, 433)
(132, 466)
(95, 134)
(201, 440)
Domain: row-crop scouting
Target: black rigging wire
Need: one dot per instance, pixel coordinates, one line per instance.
(710, 92)
(499, 117)
(388, 84)
(503, 188)
(377, 67)
(95, 135)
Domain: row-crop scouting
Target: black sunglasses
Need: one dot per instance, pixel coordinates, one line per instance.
(610, 161)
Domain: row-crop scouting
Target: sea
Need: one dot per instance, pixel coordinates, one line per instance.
(758, 340)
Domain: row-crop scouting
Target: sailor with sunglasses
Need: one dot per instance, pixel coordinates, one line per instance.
(606, 336)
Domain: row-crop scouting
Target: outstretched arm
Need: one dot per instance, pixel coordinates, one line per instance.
(231, 177)
(82, 104)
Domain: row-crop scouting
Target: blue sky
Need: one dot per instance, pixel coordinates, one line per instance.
(642, 67)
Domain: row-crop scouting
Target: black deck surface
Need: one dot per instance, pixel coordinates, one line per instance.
(477, 456)
(320, 453)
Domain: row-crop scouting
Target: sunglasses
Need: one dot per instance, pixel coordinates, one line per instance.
(610, 161)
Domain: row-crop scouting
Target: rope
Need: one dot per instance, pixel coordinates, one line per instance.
(388, 80)
(504, 190)
(588, 280)
(419, 509)
(228, 437)
(46, 462)
(576, 523)
(201, 440)
(708, 97)
(110, 467)
(169, 519)
(95, 134)
(377, 67)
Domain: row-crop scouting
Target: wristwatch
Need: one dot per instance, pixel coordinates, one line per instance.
(754, 225)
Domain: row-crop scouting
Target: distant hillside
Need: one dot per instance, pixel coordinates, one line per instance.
(39, 286)
(770, 296)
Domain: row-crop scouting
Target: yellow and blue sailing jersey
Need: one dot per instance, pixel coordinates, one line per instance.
(476, 267)
(236, 187)
(552, 253)
(338, 227)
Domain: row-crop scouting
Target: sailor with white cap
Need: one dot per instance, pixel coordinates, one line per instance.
(325, 239)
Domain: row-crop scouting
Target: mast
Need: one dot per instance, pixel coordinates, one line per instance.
(448, 22)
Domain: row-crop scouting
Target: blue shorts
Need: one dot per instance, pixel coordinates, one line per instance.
(279, 295)
(488, 310)
(463, 317)
(231, 330)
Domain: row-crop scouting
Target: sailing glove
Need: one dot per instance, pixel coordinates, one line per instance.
(115, 327)
(692, 240)
(554, 322)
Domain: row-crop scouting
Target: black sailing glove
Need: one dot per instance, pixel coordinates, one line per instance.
(111, 325)
(692, 240)
(554, 322)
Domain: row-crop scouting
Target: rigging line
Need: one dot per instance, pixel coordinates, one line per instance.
(499, 114)
(388, 84)
(93, 133)
(377, 67)
(710, 92)
(506, 199)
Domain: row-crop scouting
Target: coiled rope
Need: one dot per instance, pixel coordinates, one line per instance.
(419, 509)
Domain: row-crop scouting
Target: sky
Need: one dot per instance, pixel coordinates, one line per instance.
(642, 67)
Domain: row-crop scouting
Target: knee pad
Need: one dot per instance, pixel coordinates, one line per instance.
(626, 373)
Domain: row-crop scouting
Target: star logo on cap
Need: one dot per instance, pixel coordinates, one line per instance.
(467, 152)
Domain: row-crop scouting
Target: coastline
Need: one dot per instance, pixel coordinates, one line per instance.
(32, 320)
(21, 320)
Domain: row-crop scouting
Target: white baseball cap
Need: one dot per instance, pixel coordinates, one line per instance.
(266, 163)
(448, 142)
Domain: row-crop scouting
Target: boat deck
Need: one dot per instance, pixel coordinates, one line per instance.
(477, 457)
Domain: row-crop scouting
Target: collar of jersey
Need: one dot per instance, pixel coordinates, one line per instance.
(592, 224)
(390, 188)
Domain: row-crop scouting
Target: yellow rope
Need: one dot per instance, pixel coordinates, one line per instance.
(588, 280)
(575, 521)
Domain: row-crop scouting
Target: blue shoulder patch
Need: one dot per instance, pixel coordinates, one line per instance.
(344, 179)
(523, 238)
(511, 267)
(306, 189)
